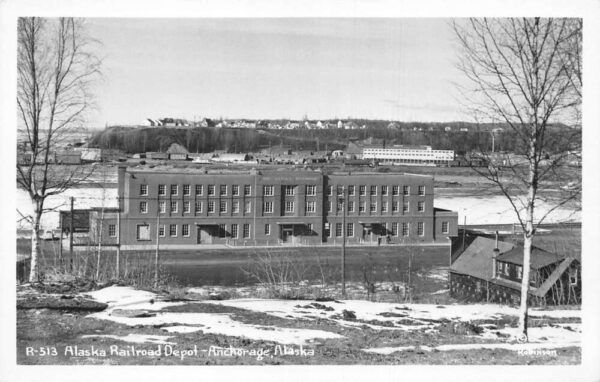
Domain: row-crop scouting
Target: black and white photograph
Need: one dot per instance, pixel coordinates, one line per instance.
(299, 187)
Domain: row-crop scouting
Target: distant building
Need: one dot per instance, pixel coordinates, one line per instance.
(177, 152)
(90, 154)
(417, 155)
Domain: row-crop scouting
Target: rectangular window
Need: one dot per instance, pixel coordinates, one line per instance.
(395, 206)
(289, 206)
(310, 206)
(420, 228)
(340, 190)
(519, 272)
(268, 207)
(340, 207)
(361, 207)
(247, 207)
(223, 206)
(235, 207)
(143, 207)
(247, 190)
(267, 229)
(162, 206)
(223, 190)
(222, 230)
(235, 190)
(173, 230)
(361, 190)
(421, 190)
(350, 190)
(173, 206)
(290, 190)
(311, 190)
(185, 230)
(234, 231)
(406, 190)
(421, 206)
(395, 190)
(384, 207)
(186, 207)
(309, 227)
(199, 189)
(211, 189)
(161, 189)
(143, 232)
(246, 232)
(405, 207)
(445, 227)
(211, 206)
(143, 190)
(268, 190)
(338, 229)
(112, 230)
(329, 190)
(405, 230)
(326, 230)
(350, 229)
(384, 190)
(394, 229)
(186, 190)
(373, 190)
(161, 230)
(330, 207)
(174, 189)
(350, 207)
(373, 207)
(198, 208)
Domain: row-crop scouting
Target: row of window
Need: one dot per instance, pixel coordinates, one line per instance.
(362, 190)
(404, 229)
(198, 207)
(373, 206)
(143, 231)
(236, 190)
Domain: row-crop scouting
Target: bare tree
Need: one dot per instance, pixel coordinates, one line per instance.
(526, 73)
(56, 68)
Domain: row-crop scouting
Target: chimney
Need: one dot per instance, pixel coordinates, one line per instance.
(495, 254)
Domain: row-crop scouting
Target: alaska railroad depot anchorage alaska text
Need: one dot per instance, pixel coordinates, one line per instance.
(170, 351)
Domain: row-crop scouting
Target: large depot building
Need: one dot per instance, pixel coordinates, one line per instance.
(195, 207)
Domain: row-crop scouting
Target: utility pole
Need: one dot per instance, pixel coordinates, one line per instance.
(342, 199)
(118, 237)
(71, 235)
(156, 256)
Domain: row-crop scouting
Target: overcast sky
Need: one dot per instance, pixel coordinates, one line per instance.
(276, 68)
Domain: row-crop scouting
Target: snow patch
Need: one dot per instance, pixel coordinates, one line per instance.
(135, 338)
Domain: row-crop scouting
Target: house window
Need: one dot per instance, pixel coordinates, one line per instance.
(421, 190)
(310, 206)
(142, 232)
(199, 189)
(211, 206)
(112, 230)
(519, 272)
(350, 190)
(143, 207)
(267, 229)
(143, 190)
(350, 229)
(223, 190)
(162, 206)
(247, 190)
(338, 229)
(340, 190)
(173, 230)
(329, 190)
(247, 207)
(186, 207)
(384, 207)
(420, 228)
(268, 207)
(223, 206)
(405, 230)
(185, 230)
(373, 207)
(384, 190)
(445, 227)
(506, 270)
(340, 206)
(395, 206)
(361, 207)
(235, 207)
(361, 190)
(161, 230)
(235, 190)
(186, 190)
(234, 231)
(211, 189)
(246, 232)
(289, 206)
(311, 190)
(173, 206)
(350, 207)
(222, 230)
(174, 189)
(326, 230)
(373, 190)
(405, 207)
(290, 190)
(161, 189)
(309, 228)
(198, 207)
(421, 206)
(406, 190)
(395, 190)
(394, 229)
(268, 190)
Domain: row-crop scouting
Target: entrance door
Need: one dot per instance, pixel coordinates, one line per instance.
(286, 233)
(204, 235)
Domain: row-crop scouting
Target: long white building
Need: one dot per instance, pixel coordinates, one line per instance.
(417, 155)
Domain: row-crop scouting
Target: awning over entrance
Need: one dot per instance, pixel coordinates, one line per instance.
(206, 224)
(370, 224)
(291, 223)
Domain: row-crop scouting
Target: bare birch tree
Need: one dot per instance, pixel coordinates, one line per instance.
(526, 73)
(56, 68)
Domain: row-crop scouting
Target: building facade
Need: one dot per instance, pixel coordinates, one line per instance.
(184, 206)
(418, 155)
